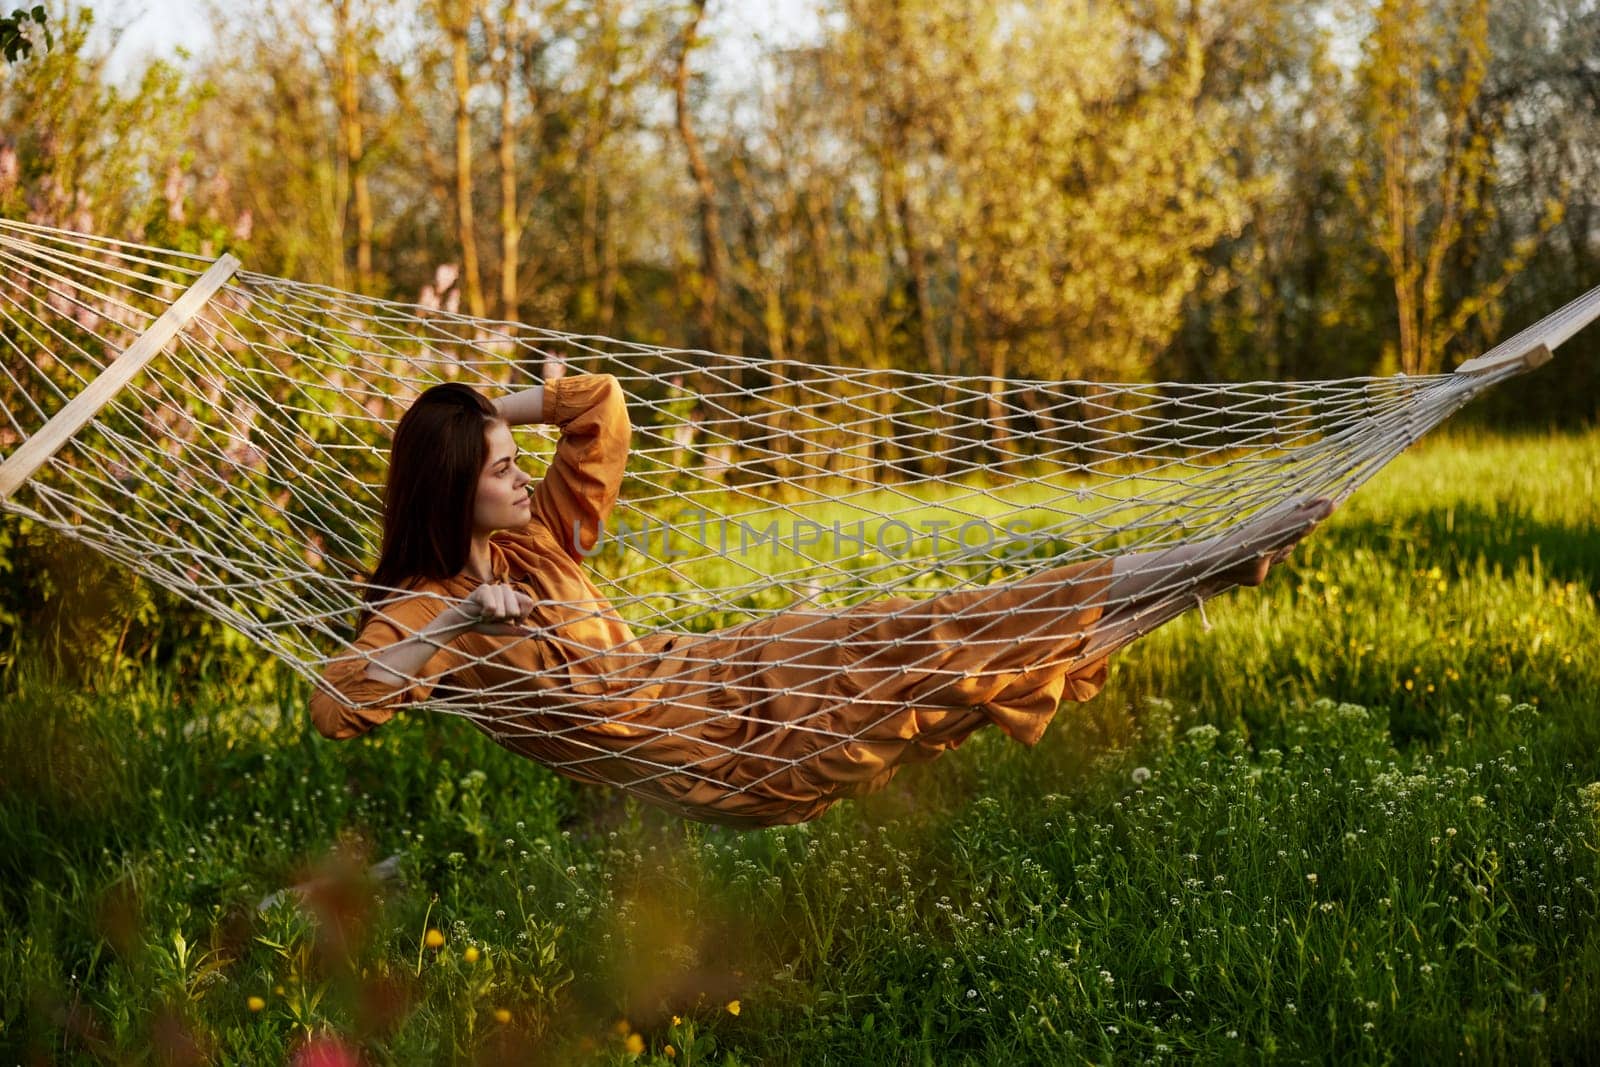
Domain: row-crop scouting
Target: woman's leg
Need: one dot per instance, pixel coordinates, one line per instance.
(1018, 649)
(844, 698)
(1149, 588)
(1049, 619)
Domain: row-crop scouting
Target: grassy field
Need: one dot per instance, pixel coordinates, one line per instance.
(1357, 820)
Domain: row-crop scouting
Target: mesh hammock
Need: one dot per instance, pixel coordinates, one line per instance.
(225, 435)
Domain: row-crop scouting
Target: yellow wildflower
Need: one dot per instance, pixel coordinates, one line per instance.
(278, 989)
(676, 1020)
(471, 955)
(670, 1052)
(255, 1003)
(502, 1015)
(733, 1007)
(635, 1044)
(433, 939)
(622, 1028)
(1409, 686)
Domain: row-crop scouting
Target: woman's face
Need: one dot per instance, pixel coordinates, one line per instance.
(502, 501)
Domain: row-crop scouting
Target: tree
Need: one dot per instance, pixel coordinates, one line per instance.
(16, 36)
(308, 165)
(1293, 294)
(77, 152)
(1427, 177)
(506, 41)
(350, 49)
(708, 292)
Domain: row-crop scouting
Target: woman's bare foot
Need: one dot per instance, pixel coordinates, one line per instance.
(1267, 540)
(1242, 556)
(1148, 588)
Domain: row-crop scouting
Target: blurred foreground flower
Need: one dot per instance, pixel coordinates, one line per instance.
(255, 1003)
(634, 1045)
(433, 939)
(733, 1007)
(502, 1015)
(326, 1051)
(1590, 794)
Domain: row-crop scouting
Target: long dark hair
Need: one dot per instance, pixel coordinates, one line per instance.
(434, 463)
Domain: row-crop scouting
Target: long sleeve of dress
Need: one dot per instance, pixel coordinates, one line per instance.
(580, 486)
(347, 703)
(764, 723)
(577, 492)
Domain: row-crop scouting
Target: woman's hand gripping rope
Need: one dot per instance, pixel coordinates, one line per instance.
(492, 608)
(499, 609)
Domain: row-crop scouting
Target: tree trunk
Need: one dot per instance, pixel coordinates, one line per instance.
(710, 235)
(458, 23)
(999, 418)
(510, 221)
(352, 149)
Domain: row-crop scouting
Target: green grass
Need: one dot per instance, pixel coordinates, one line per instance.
(1356, 820)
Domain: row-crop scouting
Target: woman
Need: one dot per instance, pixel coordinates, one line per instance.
(769, 722)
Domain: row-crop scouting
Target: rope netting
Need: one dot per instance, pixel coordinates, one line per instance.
(242, 467)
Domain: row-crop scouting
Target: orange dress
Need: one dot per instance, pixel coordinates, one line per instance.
(765, 723)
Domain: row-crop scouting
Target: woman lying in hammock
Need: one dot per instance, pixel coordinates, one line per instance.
(768, 722)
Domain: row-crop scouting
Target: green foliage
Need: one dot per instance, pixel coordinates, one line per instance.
(1226, 191)
(1357, 817)
(1358, 814)
(1426, 176)
(75, 615)
(90, 154)
(16, 36)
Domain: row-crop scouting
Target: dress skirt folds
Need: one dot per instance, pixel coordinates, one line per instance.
(765, 723)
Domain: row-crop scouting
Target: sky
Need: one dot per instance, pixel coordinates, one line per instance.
(152, 27)
(158, 27)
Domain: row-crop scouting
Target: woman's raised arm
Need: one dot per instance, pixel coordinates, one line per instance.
(521, 408)
(580, 487)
